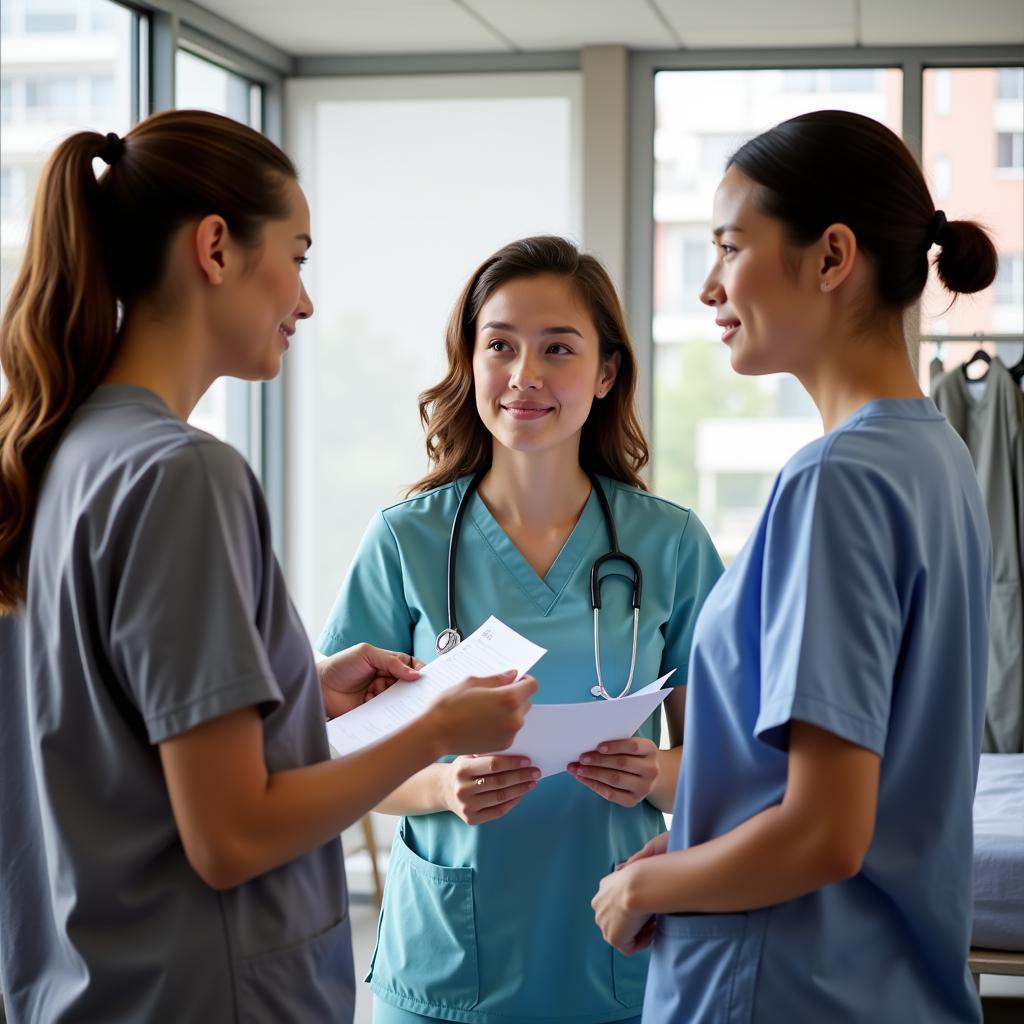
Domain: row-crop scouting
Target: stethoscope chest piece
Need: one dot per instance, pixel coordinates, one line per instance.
(447, 640)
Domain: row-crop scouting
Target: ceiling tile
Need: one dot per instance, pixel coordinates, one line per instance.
(740, 24)
(317, 27)
(950, 22)
(570, 24)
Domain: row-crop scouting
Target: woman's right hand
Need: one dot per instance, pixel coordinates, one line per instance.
(483, 713)
(482, 788)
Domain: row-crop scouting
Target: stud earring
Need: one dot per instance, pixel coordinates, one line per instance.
(824, 286)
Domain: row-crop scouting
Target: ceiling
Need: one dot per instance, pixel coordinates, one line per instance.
(351, 27)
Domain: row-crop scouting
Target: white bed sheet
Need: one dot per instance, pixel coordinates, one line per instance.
(999, 853)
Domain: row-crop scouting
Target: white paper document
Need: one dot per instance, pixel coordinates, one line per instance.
(492, 649)
(555, 734)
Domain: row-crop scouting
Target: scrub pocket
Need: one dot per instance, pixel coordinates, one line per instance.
(629, 973)
(310, 980)
(426, 938)
(704, 968)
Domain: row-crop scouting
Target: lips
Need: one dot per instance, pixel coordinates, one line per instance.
(526, 410)
(729, 328)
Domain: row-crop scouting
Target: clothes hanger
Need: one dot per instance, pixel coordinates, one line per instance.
(980, 355)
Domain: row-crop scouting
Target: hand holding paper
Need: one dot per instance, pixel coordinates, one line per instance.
(491, 650)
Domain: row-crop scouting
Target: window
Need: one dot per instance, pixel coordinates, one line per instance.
(101, 96)
(203, 85)
(853, 80)
(715, 151)
(1010, 150)
(980, 140)
(1009, 286)
(51, 99)
(6, 100)
(58, 16)
(1010, 83)
(718, 438)
(391, 251)
(231, 409)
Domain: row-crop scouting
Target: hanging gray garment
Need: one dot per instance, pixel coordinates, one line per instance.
(992, 425)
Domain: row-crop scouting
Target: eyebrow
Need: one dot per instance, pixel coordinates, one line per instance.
(306, 239)
(498, 325)
(718, 232)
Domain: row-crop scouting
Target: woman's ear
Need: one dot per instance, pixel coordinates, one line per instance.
(609, 371)
(211, 241)
(837, 251)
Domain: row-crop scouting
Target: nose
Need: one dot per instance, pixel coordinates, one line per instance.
(712, 293)
(304, 310)
(525, 374)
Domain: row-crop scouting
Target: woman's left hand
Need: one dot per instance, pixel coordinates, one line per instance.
(622, 771)
(351, 677)
(627, 932)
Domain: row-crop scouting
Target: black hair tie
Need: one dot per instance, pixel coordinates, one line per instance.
(937, 229)
(113, 148)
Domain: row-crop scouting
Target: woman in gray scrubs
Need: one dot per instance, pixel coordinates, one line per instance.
(170, 813)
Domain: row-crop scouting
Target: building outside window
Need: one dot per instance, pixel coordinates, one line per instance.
(719, 439)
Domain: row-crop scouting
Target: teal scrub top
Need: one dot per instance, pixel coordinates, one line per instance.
(493, 922)
(859, 605)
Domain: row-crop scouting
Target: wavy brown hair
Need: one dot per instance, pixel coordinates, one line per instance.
(612, 442)
(97, 244)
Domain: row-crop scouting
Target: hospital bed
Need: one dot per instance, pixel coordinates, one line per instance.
(998, 936)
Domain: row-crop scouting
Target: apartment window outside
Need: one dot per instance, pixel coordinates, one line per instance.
(982, 141)
(1009, 150)
(57, 16)
(1010, 83)
(1009, 285)
(719, 438)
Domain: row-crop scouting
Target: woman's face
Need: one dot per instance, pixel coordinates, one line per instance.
(766, 294)
(537, 364)
(268, 297)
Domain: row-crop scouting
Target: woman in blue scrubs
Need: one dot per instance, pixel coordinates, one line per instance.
(819, 863)
(486, 915)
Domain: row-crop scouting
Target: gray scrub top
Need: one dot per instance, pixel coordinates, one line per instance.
(155, 603)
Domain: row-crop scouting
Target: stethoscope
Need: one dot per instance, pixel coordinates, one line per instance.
(448, 639)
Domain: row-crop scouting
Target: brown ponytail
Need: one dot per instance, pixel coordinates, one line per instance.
(92, 245)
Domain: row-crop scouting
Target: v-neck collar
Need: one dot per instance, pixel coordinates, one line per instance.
(543, 592)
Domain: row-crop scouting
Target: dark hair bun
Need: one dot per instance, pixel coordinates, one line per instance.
(967, 261)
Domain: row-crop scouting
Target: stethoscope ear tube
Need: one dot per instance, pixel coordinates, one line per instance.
(448, 639)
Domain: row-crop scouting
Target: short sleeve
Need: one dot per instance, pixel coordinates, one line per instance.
(831, 619)
(183, 631)
(371, 606)
(698, 567)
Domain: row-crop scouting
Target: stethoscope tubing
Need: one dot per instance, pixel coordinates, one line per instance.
(450, 637)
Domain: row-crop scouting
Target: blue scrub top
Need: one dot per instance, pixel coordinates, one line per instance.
(860, 605)
(493, 922)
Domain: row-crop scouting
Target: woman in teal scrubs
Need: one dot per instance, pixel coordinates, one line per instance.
(486, 915)
(819, 863)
